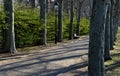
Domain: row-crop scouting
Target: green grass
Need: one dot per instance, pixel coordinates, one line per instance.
(113, 66)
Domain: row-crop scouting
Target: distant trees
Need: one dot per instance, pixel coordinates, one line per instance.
(117, 14)
(67, 25)
(69, 9)
(32, 3)
(78, 16)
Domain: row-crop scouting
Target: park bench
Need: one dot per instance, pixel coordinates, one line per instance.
(75, 36)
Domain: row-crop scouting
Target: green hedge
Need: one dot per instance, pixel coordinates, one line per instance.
(84, 26)
(2, 25)
(28, 29)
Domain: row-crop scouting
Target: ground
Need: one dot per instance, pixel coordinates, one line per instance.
(64, 59)
(113, 66)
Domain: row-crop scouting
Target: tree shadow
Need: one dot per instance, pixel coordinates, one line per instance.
(45, 62)
(113, 66)
(57, 72)
(51, 52)
(18, 66)
(117, 54)
(45, 58)
(110, 69)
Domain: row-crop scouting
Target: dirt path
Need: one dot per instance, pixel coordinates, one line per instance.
(68, 59)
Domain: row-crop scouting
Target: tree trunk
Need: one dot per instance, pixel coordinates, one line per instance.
(107, 35)
(60, 22)
(78, 17)
(116, 15)
(65, 6)
(9, 35)
(6, 37)
(47, 5)
(96, 41)
(43, 20)
(90, 5)
(111, 26)
(32, 3)
(71, 21)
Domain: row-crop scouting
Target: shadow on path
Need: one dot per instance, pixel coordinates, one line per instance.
(52, 62)
(56, 72)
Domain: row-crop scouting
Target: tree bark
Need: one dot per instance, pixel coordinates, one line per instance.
(78, 17)
(96, 41)
(111, 26)
(9, 34)
(32, 3)
(43, 20)
(6, 37)
(107, 34)
(116, 15)
(60, 21)
(71, 21)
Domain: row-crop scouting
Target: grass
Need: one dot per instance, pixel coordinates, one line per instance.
(113, 66)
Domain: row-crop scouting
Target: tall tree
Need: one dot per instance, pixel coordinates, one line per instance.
(78, 17)
(96, 41)
(65, 6)
(71, 20)
(6, 39)
(111, 26)
(116, 15)
(47, 5)
(107, 33)
(90, 6)
(9, 35)
(32, 3)
(43, 20)
(60, 20)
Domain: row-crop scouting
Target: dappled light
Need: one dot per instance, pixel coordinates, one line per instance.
(59, 37)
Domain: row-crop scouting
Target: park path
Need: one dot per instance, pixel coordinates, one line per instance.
(67, 59)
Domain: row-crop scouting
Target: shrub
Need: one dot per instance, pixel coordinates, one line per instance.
(28, 29)
(2, 25)
(84, 26)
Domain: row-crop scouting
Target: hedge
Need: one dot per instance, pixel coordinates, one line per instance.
(28, 29)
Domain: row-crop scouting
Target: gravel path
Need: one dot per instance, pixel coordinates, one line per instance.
(68, 59)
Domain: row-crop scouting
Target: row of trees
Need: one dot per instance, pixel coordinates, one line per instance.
(104, 19)
(71, 8)
(103, 29)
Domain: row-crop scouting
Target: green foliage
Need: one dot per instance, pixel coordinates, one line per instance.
(66, 22)
(115, 57)
(84, 26)
(50, 27)
(2, 25)
(28, 27)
